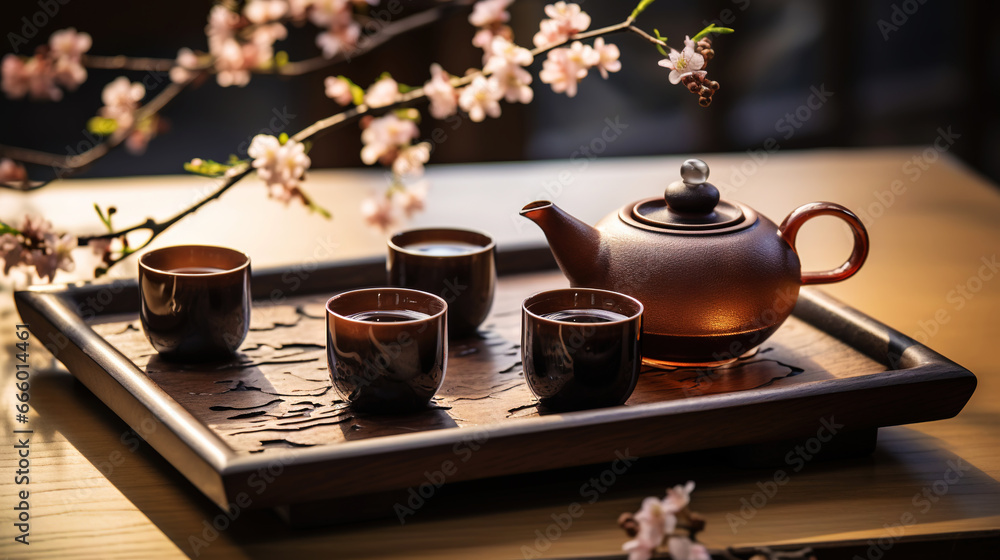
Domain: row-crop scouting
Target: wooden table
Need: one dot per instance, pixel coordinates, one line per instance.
(97, 491)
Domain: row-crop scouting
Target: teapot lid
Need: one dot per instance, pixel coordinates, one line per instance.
(690, 205)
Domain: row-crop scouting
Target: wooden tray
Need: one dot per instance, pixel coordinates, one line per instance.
(268, 428)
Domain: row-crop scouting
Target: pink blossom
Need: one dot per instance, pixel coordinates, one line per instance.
(222, 24)
(564, 68)
(379, 211)
(66, 47)
(184, 66)
(682, 548)
(38, 246)
(231, 63)
(480, 98)
(411, 159)
(264, 11)
(326, 13)
(339, 90)
(264, 36)
(121, 100)
(608, 57)
(565, 21)
(100, 247)
(509, 77)
(382, 93)
(69, 43)
(281, 167)
(411, 199)
(440, 92)
(684, 63)
(385, 136)
(33, 76)
(490, 12)
(655, 523)
(55, 256)
(339, 39)
(678, 497)
(144, 131)
(12, 172)
(13, 253)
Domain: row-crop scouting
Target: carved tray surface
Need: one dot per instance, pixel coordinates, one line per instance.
(226, 421)
(277, 392)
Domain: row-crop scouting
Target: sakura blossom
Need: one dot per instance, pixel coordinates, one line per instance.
(655, 523)
(565, 67)
(184, 66)
(684, 63)
(440, 92)
(69, 43)
(222, 24)
(678, 497)
(382, 93)
(565, 21)
(380, 212)
(682, 548)
(490, 12)
(480, 98)
(508, 75)
(385, 136)
(339, 90)
(410, 199)
(282, 167)
(121, 100)
(608, 57)
(411, 159)
(265, 11)
(36, 245)
(339, 38)
(40, 76)
(55, 256)
(12, 172)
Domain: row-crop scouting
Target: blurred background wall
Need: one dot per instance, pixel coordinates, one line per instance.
(796, 74)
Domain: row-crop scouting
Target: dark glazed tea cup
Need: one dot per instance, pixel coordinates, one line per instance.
(195, 301)
(456, 264)
(387, 348)
(580, 347)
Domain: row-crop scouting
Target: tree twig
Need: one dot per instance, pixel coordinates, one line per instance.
(156, 228)
(69, 164)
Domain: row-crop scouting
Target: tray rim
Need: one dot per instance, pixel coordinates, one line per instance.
(216, 468)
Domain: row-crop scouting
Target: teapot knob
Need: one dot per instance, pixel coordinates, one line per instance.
(694, 171)
(692, 194)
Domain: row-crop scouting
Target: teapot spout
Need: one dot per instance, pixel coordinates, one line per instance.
(575, 244)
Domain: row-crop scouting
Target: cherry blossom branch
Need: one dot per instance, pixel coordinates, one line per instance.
(70, 164)
(240, 171)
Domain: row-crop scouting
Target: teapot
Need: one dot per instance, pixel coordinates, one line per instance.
(715, 277)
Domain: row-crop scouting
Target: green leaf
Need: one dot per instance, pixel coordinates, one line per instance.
(280, 58)
(357, 94)
(102, 125)
(106, 220)
(712, 29)
(660, 48)
(640, 8)
(313, 207)
(4, 228)
(209, 168)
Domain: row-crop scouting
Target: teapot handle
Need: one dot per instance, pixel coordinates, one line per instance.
(790, 228)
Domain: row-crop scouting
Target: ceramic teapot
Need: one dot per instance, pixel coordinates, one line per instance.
(716, 278)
